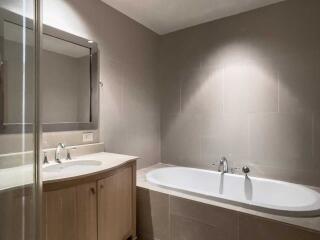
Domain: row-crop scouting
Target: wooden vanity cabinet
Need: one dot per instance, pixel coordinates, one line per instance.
(100, 209)
(115, 204)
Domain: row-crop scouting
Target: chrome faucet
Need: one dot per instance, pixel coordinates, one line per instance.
(57, 157)
(223, 162)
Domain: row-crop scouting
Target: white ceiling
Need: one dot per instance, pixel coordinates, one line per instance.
(164, 16)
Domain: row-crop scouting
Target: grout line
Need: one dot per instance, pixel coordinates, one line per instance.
(223, 90)
(248, 138)
(278, 90)
(196, 220)
(180, 95)
(313, 136)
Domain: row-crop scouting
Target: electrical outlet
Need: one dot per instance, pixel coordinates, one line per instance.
(87, 137)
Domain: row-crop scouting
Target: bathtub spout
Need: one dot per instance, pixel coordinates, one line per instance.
(224, 164)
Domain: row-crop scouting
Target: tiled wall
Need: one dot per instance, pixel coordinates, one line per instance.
(129, 110)
(13, 143)
(246, 87)
(164, 217)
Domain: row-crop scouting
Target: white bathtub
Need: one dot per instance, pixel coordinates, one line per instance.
(256, 193)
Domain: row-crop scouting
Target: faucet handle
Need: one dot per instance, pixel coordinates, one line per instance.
(45, 158)
(69, 153)
(246, 170)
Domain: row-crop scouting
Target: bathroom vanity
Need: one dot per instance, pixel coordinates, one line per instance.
(94, 202)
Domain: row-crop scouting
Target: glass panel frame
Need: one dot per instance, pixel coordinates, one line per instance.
(20, 165)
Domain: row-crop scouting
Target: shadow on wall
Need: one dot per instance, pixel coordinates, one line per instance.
(240, 81)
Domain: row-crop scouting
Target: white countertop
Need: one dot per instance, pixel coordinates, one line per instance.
(23, 175)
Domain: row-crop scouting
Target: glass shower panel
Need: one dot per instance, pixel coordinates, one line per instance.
(19, 148)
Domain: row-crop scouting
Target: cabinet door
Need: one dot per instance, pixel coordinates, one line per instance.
(70, 214)
(87, 212)
(60, 214)
(115, 204)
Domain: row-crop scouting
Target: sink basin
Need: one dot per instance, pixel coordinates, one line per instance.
(74, 166)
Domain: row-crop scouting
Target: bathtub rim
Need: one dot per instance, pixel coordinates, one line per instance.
(268, 208)
(309, 223)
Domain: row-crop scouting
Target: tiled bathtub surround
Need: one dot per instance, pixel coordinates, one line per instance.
(246, 87)
(165, 214)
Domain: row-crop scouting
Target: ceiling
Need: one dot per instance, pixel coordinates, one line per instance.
(164, 16)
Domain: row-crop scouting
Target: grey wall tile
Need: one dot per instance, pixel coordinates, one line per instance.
(223, 220)
(308, 177)
(250, 88)
(298, 86)
(152, 215)
(281, 140)
(51, 140)
(270, 61)
(316, 140)
(181, 140)
(253, 228)
(141, 141)
(225, 135)
(189, 229)
(170, 92)
(201, 91)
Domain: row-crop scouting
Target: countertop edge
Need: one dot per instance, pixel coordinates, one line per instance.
(44, 182)
(55, 184)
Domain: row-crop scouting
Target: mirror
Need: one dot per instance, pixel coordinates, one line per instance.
(69, 84)
(13, 81)
(65, 81)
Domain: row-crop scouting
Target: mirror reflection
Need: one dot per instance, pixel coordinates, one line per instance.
(65, 78)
